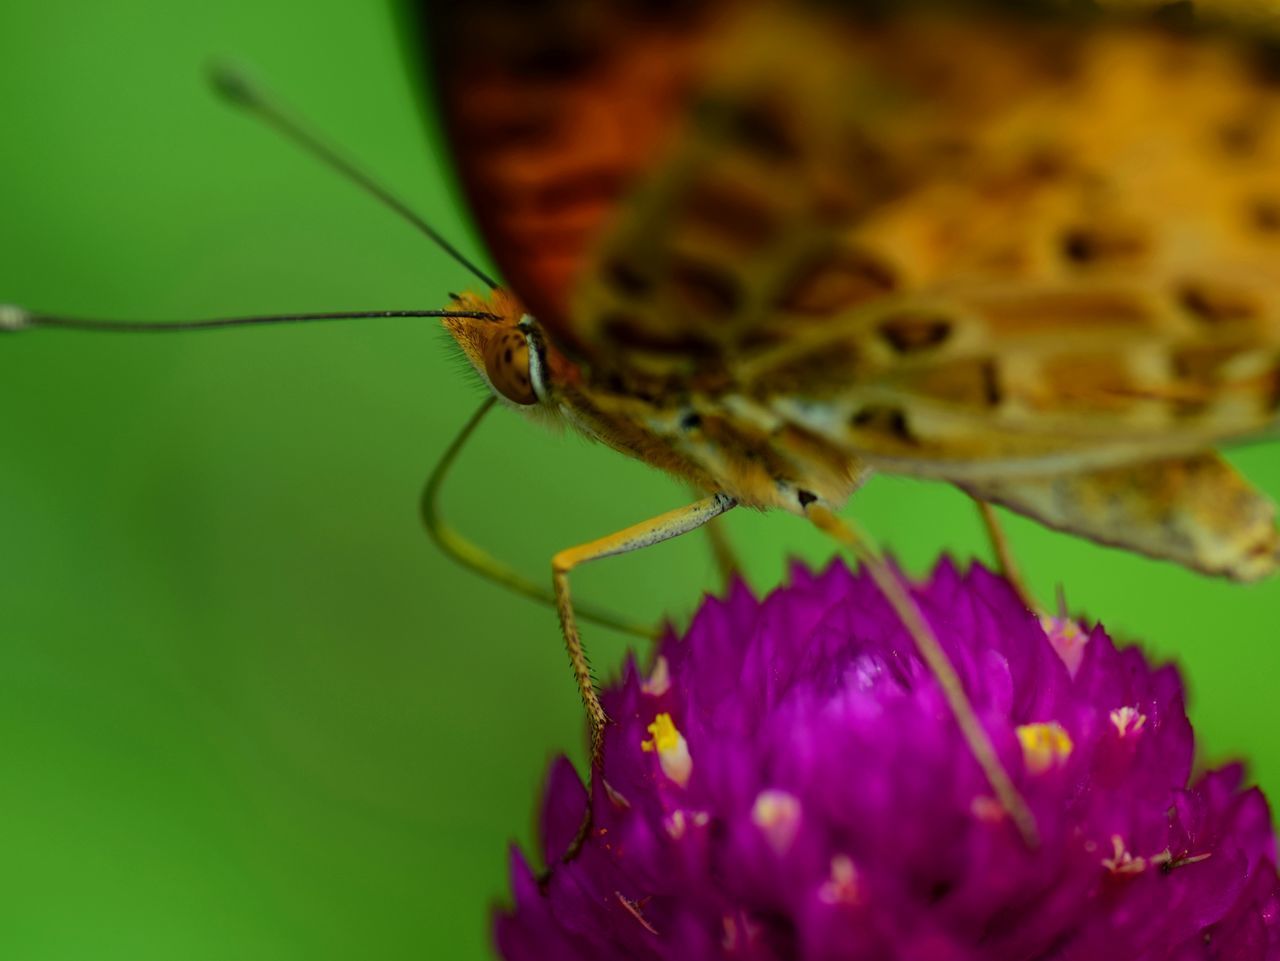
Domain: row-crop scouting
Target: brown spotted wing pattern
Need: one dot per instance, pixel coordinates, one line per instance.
(556, 110)
(1033, 254)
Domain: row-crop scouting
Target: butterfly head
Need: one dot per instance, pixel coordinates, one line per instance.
(509, 351)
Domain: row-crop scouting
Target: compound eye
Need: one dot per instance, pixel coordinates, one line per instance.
(506, 362)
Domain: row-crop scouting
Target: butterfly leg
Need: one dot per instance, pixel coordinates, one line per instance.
(653, 531)
(726, 558)
(1005, 563)
(939, 664)
(456, 547)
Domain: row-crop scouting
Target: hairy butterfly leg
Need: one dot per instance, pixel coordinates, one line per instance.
(464, 552)
(645, 534)
(939, 664)
(1005, 563)
(723, 553)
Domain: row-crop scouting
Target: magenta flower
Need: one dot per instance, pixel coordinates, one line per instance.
(786, 783)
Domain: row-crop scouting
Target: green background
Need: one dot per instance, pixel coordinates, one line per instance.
(246, 709)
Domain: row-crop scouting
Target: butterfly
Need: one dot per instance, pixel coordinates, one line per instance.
(772, 248)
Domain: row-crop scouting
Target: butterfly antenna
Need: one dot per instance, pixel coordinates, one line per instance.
(13, 318)
(243, 92)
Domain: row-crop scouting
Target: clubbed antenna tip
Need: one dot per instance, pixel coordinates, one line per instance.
(238, 88)
(234, 84)
(13, 318)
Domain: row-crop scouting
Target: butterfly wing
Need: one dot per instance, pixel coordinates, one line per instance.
(958, 245)
(1077, 219)
(555, 111)
(1197, 511)
(1023, 253)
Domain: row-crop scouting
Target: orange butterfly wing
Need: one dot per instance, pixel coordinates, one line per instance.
(842, 225)
(701, 183)
(555, 111)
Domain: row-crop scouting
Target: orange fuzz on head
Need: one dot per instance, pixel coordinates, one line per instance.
(497, 348)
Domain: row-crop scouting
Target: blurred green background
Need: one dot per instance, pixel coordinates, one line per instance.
(246, 710)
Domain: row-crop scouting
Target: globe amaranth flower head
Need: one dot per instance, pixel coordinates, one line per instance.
(786, 782)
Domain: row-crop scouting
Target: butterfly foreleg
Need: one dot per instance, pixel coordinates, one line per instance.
(653, 531)
(728, 565)
(1005, 563)
(723, 553)
(938, 662)
(645, 534)
(469, 555)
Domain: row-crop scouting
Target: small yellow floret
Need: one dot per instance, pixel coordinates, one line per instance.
(1128, 720)
(664, 737)
(1067, 638)
(1044, 745)
(672, 748)
(1121, 861)
(842, 886)
(659, 681)
(777, 814)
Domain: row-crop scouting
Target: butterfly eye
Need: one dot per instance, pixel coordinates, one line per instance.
(506, 363)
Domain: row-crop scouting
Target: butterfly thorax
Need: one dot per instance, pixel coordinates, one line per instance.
(720, 443)
(715, 440)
